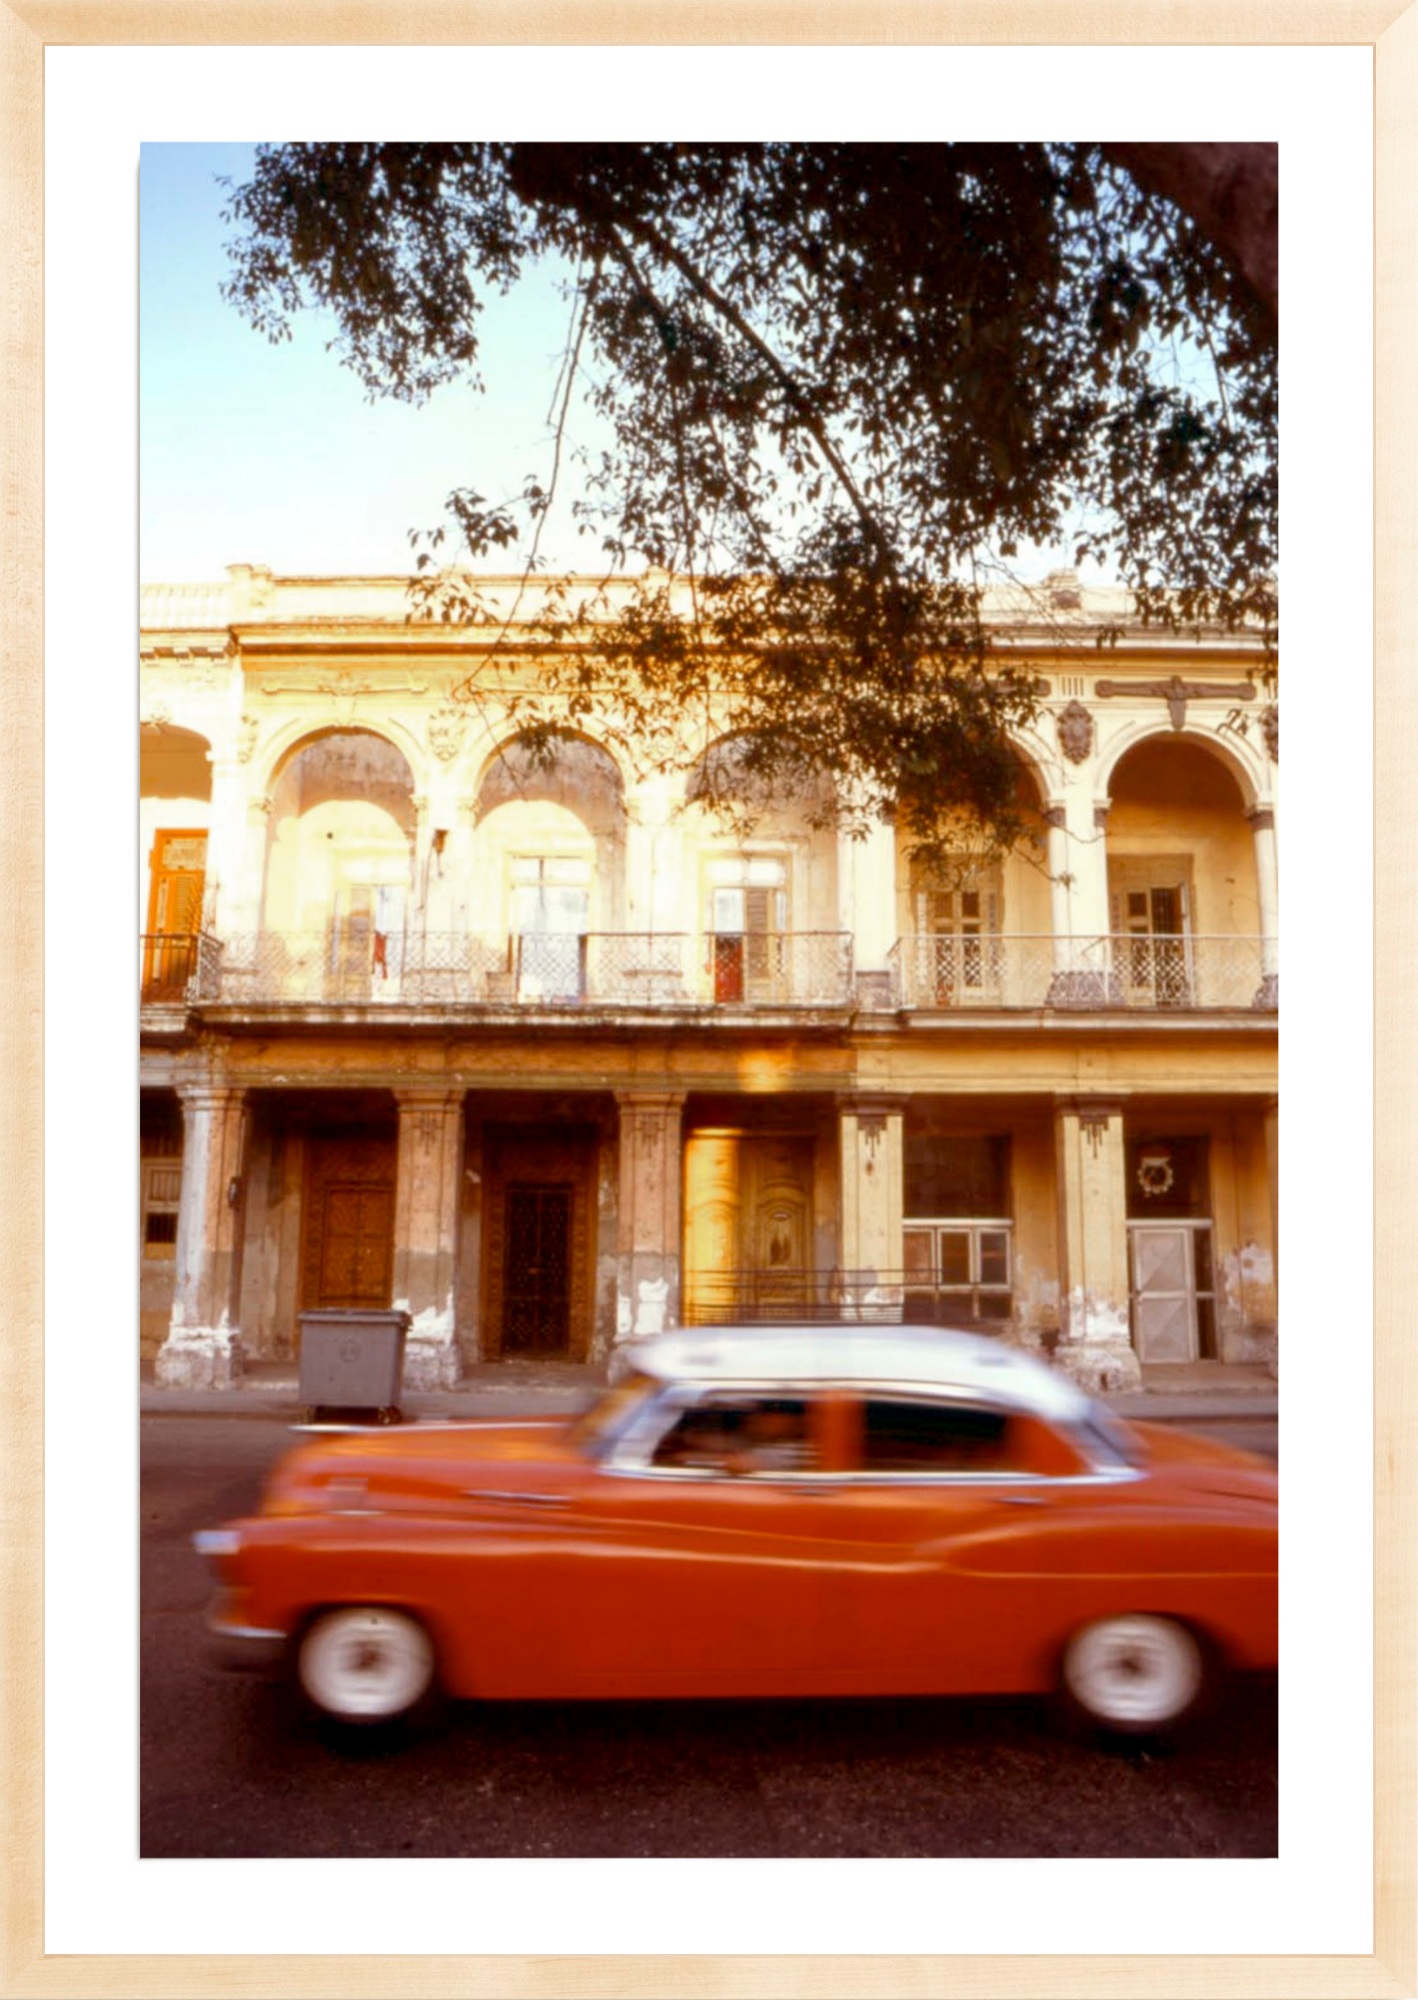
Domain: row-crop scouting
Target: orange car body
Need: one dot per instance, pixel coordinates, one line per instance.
(556, 1560)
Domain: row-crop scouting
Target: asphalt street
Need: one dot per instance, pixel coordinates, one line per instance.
(230, 1766)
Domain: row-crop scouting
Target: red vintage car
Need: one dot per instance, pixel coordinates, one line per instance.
(767, 1511)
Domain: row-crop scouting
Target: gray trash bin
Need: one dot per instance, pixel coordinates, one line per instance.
(352, 1361)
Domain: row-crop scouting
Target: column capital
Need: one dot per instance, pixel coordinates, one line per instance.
(429, 1097)
(1091, 1110)
(1055, 816)
(1262, 818)
(1101, 809)
(650, 1100)
(871, 1104)
(201, 1090)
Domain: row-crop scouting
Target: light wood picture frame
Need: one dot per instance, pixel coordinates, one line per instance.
(27, 28)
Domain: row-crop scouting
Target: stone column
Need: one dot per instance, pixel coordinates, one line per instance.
(203, 1345)
(226, 847)
(1272, 1162)
(648, 1211)
(426, 1199)
(866, 906)
(1095, 1345)
(1262, 820)
(870, 1136)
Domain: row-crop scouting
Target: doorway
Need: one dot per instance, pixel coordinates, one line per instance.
(747, 1226)
(347, 1260)
(538, 1260)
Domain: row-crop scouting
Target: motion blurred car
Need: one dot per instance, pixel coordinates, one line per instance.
(767, 1511)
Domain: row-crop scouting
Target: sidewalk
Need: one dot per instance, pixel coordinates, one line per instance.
(1205, 1391)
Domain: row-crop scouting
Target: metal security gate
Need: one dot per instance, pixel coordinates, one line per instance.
(536, 1279)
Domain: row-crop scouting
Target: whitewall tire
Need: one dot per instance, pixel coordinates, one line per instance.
(365, 1663)
(1134, 1673)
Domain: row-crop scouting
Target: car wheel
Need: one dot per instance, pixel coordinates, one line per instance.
(365, 1663)
(1133, 1674)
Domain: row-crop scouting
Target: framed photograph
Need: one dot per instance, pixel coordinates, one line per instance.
(370, 898)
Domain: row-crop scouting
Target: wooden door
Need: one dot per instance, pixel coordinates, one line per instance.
(747, 1226)
(179, 874)
(347, 1260)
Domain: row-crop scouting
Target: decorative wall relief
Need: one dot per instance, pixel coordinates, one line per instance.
(246, 738)
(1270, 730)
(1075, 726)
(447, 727)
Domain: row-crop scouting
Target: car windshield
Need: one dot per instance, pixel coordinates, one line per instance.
(597, 1429)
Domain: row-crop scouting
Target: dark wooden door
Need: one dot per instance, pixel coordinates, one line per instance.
(347, 1260)
(536, 1278)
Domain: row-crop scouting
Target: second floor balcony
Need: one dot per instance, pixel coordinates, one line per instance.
(1177, 972)
(571, 970)
(730, 973)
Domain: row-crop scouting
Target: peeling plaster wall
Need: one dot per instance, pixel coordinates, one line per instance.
(1036, 1257)
(270, 1275)
(603, 1328)
(468, 1290)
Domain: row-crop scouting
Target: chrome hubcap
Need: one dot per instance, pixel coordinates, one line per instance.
(1136, 1671)
(366, 1663)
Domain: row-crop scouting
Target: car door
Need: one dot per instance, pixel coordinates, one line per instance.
(931, 1600)
(704, 1564)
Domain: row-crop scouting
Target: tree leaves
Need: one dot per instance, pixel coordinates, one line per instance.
(842, 384)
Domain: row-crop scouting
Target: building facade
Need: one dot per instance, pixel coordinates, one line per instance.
(551, 1057)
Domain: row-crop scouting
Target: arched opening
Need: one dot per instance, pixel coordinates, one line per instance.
(548, 871)
(339, 867)
(1183, 892)
(175, 793)
(763, 850)
(975, 918)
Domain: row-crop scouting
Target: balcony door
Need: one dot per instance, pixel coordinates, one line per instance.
(1152, 926)
(551, 914)
(746, 924)
(957, 942)
(179, 874)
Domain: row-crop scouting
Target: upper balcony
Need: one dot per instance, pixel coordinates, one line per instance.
(745, 975)
(1159, 972)
(735, 973)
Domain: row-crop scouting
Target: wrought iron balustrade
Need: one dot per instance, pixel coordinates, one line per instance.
(1150, 972)
(776, 968)
(633, 969)
(177, 970)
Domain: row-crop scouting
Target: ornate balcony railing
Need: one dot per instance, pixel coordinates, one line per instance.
(632, 969)
(177, 970)
(1122, 971)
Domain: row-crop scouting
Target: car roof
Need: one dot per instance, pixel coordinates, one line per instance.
(937, 1359)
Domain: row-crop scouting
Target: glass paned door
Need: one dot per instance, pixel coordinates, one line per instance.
(551, 903)
(747, 921)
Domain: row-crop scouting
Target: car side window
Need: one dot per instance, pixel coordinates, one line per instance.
(906, 1436)
(742, 1436)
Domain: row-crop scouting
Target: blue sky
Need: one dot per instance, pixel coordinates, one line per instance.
(262, 454)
